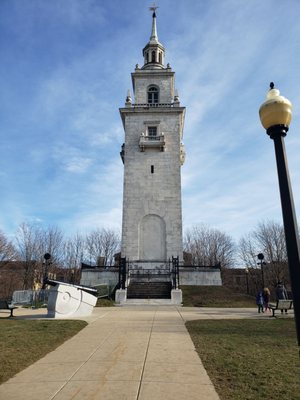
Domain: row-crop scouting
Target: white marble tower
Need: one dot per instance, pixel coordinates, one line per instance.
(152, 155)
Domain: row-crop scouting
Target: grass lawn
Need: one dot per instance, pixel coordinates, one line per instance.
(24, 342)
(214, 296)
(249, 359)
(105, 303)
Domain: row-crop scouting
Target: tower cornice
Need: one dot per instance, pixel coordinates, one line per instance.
(146, 110)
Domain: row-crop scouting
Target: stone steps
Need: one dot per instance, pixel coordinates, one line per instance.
(149, 290)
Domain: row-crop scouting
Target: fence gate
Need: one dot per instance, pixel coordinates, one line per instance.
(131, 271)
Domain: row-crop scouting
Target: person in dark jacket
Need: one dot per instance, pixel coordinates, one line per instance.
(281, 293)
(260, 301)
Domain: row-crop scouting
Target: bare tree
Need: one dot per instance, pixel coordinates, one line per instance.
(7, 249)
(209, 246)
(8, 275)
(53, 243)
(267, 238)
(32, 242)
(28, 248)
(74, 249)
(271, 238)
(102, 243)
(248, 250)
(111, 245)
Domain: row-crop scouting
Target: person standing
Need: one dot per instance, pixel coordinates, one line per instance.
(260, 301)
(266, 297)
(281, 293)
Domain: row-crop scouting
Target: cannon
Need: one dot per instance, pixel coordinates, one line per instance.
(68, 300)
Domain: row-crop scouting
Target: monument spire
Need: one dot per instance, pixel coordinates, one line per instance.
(153, 37)
(154, 51)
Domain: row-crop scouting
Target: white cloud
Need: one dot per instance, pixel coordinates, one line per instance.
(71, 159)
(92, 219)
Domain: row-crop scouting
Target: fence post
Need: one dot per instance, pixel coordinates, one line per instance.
(122, 273)
(175, 272)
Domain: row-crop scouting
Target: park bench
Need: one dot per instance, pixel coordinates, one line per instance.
(281, 305)
(4, 305)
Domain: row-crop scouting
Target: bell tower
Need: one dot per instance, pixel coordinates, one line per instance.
(152, 154)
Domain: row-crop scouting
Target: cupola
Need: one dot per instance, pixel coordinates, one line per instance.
(154, 51)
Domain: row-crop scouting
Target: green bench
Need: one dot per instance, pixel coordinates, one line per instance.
(5, 306)
(281, 305)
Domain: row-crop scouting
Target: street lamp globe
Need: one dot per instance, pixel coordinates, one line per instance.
(276, 110)
(275, 115)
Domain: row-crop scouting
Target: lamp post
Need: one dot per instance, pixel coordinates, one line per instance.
(260, 256)
(275, 115)
(247, 279)
(47, 258)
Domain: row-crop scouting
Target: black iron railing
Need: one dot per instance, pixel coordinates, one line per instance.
(149, 274)
(169, 272)
(152, 105)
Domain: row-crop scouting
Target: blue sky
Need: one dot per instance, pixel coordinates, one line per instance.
(65, 70)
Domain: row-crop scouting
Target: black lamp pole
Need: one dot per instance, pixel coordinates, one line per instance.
(277, 133)
(260, 256)
(247, 279)
(47, 258)
(275, 115)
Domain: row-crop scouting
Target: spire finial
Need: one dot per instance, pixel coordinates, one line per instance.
(154, 51)
(153, 36)
(153, 8)
(272, 85)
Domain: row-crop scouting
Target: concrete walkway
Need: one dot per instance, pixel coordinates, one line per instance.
(129, 353)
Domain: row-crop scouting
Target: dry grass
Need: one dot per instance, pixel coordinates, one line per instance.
(215, 296)
(105, 303)
(249, 359)
(24, 342)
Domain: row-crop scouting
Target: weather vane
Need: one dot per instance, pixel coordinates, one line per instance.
(153, 7)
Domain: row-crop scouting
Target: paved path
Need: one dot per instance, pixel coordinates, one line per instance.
(128, 353)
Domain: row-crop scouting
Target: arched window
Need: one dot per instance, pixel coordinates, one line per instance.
(153, 95)
(153, 56)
